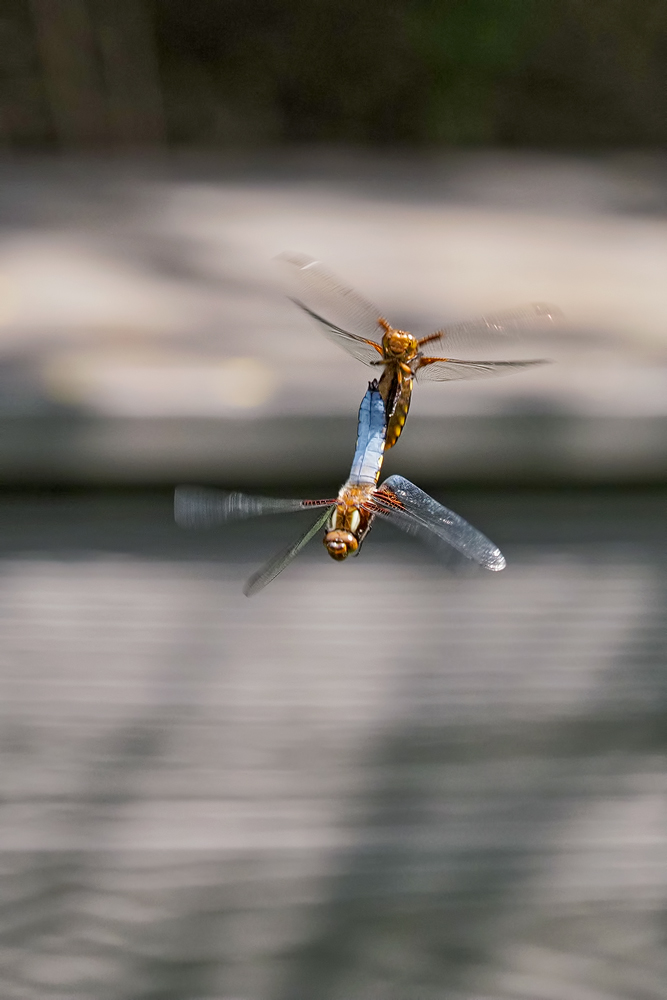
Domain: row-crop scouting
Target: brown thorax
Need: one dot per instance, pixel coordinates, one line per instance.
(349, 523)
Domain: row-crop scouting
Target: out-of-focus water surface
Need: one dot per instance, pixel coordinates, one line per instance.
(370, 781)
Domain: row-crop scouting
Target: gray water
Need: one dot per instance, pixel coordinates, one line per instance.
(373, 781)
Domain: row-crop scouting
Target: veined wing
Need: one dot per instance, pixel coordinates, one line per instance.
(451, 369)
(277, 564)
(366, 351)
(415, 512)
(203, 507)
(486, 332)
(346, 318)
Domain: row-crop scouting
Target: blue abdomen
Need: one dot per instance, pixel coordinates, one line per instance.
(371, 433)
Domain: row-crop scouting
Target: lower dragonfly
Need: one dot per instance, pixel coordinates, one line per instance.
(349, 517)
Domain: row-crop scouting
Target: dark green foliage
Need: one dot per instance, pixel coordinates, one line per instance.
(340, 70)
(454, 72)
(222, 73)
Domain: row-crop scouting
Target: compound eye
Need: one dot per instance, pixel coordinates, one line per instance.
(337, 550)
(339, 544)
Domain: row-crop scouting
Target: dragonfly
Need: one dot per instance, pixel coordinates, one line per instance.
(355, 324)
(347, 518)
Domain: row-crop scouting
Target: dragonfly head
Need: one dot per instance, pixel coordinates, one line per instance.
(399, 344)
(340, 544)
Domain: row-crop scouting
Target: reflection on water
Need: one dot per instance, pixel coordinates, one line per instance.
(370, 781)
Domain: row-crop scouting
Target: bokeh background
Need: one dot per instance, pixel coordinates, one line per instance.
(373, 781)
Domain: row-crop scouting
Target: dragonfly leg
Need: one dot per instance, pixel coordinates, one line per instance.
(432, 336)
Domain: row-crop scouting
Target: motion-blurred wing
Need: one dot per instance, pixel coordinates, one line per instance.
(277, 564)
(415, 512)
(487, 332)
(450, 369)
(202, 507)
(366, 351)
(346, 318)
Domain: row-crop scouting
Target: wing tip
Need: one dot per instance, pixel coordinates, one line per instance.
(497, 562)
(255, 583)
(183, 512)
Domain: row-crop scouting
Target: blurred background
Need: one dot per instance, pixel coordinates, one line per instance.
(373, 781)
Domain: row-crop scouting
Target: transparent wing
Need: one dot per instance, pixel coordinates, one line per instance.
(277, 564)
(413, 511)
(366, 351)
(203, 507)
(486, 332)
(346, 317)
(451, 369)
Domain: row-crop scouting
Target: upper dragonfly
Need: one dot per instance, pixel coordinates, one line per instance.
(355, 324)
(349, 516)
